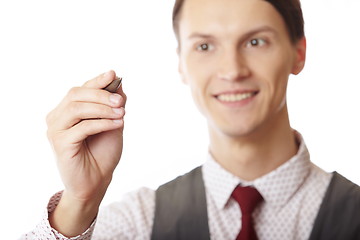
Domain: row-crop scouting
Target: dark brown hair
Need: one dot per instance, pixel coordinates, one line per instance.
(290, 10)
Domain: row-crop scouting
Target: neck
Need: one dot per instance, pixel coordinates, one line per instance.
(258, 153)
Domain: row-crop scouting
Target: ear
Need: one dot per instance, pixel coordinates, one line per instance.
(180, 68)
(300, 56)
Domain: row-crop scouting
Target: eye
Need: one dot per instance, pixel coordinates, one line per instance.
(204, 47)
(256, 42)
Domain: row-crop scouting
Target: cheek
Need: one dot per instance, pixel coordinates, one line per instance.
(275, 71)
(279, 81)
(197, 76)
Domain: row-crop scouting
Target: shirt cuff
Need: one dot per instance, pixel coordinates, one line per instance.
(46, 229)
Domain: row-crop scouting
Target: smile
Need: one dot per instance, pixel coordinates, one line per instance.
(235, 97)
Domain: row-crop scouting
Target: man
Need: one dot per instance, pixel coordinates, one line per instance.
(236, 56)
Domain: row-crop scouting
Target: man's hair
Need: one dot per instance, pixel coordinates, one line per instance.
(290, 10)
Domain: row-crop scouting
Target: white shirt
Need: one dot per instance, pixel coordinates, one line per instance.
(292, 196)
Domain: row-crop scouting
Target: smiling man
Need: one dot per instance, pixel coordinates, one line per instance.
(258, 181)
(237, 58)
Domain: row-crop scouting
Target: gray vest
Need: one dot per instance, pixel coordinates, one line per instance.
(181, 211)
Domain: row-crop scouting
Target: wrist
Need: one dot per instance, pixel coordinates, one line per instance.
(73, 216)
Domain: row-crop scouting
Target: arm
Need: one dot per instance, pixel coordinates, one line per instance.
(130, 218)
(85, 131)
(44, 231)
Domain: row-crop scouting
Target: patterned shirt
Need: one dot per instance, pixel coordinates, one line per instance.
(292, 196)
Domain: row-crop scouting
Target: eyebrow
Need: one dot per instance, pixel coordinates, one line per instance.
(246, 35)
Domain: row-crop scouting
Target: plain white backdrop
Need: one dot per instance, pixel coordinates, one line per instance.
(47, 47)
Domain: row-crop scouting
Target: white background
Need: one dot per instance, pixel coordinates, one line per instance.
(47, 47)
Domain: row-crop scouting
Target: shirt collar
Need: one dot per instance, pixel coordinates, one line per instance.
(276, 187)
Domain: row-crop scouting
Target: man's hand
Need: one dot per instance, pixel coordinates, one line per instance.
(85, 130)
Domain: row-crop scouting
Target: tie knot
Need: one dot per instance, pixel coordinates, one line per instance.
(247, 197)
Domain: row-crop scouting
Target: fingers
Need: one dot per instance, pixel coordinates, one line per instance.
(104, 80)
(80, 111)
(101, 81)
(89, 109)
(122, 94)
(81, 94)
(88, 128)
(83, 103)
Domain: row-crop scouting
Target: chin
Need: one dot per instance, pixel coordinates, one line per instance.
(235, 131)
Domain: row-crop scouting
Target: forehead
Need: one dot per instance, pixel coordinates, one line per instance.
(229, 16)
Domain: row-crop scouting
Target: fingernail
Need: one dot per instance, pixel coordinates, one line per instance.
(117, 110)
(107, 73)
(117, 121)
(115, 98)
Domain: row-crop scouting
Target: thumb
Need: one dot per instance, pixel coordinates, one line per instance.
(100, 81)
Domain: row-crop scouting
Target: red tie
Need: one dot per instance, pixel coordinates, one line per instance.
(248, 198)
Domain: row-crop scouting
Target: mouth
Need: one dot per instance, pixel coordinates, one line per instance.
(235, 97)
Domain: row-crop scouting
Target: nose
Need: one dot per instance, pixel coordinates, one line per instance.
(232, 66)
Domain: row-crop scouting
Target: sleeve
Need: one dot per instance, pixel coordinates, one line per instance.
(131, 218)
(43, 231)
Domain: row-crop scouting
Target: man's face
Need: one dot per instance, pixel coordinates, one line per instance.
(236, 56)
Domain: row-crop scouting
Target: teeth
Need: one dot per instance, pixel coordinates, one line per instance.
(234, 97)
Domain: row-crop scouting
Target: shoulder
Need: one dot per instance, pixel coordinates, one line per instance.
(129, 218)
(132, 205)
(338, 217)
(344, 189)
(189, 178)
(342, 197)
(140, 198)
(181, 191)
(181, 205)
